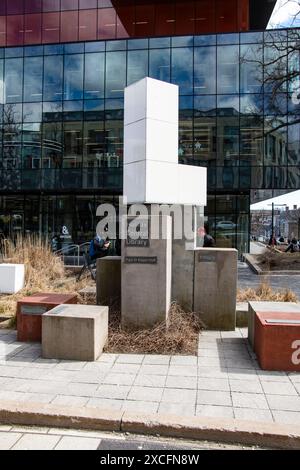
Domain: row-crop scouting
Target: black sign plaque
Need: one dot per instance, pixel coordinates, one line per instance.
(141, 259)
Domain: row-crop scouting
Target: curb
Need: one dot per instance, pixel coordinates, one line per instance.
(250, 260)
(270, 435)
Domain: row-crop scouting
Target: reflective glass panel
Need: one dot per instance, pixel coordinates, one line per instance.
(53, 78)
(73, 77)
(94, 76)
(33, 78)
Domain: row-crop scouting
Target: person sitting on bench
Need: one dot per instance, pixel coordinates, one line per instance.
(99, 247)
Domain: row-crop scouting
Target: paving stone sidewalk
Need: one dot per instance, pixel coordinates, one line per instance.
(224, 380)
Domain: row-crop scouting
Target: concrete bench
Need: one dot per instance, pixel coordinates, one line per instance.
(277, 341)
(30, 310)
(12, 278)
(75, 332)
(277, 308)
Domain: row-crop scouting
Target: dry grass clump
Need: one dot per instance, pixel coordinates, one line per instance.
(272, 260)
(180, 337)
(264, 292)
(44, 271)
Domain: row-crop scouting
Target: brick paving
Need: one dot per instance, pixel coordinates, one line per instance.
(224, 380)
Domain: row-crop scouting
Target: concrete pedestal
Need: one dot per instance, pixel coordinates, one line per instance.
(215, 287)
(108, 280)
(146, 278)
(75, 332)
(30, 311)
(277, 308)
(12, 278)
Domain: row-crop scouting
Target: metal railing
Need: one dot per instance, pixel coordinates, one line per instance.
(74, 251)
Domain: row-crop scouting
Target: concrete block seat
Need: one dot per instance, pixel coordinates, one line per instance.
(74, 332)
(12, 278)
(30, 310)
(276, 308)
(277, 340)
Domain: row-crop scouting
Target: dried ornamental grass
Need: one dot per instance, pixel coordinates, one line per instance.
(264, 292)
(44, 271)
(179, 337)
(272, 260)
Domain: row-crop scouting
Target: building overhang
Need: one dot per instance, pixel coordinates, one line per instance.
(260, 13)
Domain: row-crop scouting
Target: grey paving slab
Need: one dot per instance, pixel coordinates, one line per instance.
(247, 386)
(272, 376)
(215, 411)
(67, 400)
(216, 353)
(210, 372)
(183, 361)
(145, 394)
(249, 400)
(36, 442)
(8, 439)
(178, 395)
(150, 380)
(213, 397)
(250, 414)
(128, 368)
(77, 443)
(105, 403)
(153, 369)
(130, 359)
(176, 409)
(211, 361)
(183, 382)
(287, 417)
(119, 379)
(87, 377)
(140, 406)
(119, 392)
(38, 397)
(205, 383)
(279, 388)
(183, 371)
(284, 402)
(155, 359)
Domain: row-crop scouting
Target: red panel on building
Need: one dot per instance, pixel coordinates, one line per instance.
(125, 21)
(69, 26)
(226, 16)
(30, 311)
(165, 19)
(144, 20)
(33, 26)
(277, 341)
(107, 23)
(110, 19)
(2, 30)
(205, 17)
(50, 27)
(87, 25)
(185, 18)
(15, 30)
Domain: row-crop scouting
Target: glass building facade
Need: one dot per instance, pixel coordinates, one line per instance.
(61, 141)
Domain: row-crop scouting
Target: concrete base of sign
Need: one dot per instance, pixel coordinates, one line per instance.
(30, 311)
(215, 287)
(264, 307)
(146, 279)
(108, 280)
(75, 332)
(12, 278)
(183, 261)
